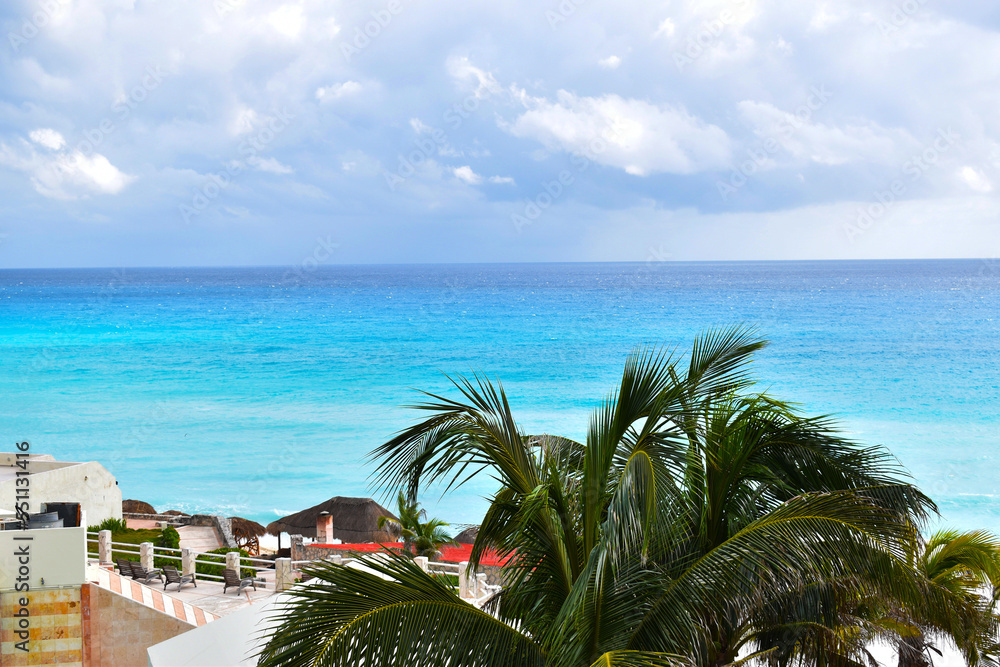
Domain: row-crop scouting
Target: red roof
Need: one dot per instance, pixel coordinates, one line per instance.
(449, 553)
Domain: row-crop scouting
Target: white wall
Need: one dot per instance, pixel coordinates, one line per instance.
(89, 484)
(57, 555)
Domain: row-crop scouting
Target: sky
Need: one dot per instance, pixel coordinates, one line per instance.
(253, 132)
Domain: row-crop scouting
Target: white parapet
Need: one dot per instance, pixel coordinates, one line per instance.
(43, 558)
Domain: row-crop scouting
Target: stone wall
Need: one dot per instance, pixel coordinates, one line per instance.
(494, 574)
(120, 630)
(221, 525)
(309, 552)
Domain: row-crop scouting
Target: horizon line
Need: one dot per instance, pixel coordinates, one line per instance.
(328, 265)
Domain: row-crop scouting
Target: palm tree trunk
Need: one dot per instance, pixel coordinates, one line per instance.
(913, 652)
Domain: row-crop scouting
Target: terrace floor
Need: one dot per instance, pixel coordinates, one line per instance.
(207, 596)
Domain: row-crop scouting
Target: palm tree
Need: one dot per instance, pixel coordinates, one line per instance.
(961, 566)
(421, 538)
(692, 514)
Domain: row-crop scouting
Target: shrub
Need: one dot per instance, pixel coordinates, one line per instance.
(170, 539)
(114, 525)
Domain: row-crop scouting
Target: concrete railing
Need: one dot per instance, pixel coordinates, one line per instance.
(189, 559)
(471, 585)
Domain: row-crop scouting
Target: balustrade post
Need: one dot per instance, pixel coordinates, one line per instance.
(233, 562)
(146, 555)
(463, 580)
(283, 578)
(104, 546)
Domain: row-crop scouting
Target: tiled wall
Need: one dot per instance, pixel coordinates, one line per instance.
(86, 626)
(121, 630)
(55, 633)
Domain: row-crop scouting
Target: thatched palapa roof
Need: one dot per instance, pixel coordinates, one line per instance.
(468, 536)
(355, 520)
(245, 529)
(137, 507)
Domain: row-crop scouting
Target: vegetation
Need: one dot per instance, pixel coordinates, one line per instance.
(124, 535)
(961, 566)
(420, 538)
(700, 523)
(114, 525)
(219, 556)
(169, 538)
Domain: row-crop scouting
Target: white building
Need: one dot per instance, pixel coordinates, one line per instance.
(51, 481)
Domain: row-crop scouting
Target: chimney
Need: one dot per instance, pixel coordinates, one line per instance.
(324, 528)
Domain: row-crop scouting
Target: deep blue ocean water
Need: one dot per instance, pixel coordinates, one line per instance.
(259, 391)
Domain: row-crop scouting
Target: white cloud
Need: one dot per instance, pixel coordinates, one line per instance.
(464, 71)
(634, 135)
(666, 29)
(783, 47)
(466, 174)
(270, 165)
(611, 62)
(48, 138)
(825, 144)
(244, 120)
(420, 127)
(338, 91)
(825, 17)
(504, 180)
(66, 174)
(976, 179)
(287, 20)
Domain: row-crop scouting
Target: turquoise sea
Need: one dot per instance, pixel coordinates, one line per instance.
(259, 391)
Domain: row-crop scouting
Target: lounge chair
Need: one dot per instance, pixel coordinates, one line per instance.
(139, 573)
(172, 576)
(124, 567)
(233, 579)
